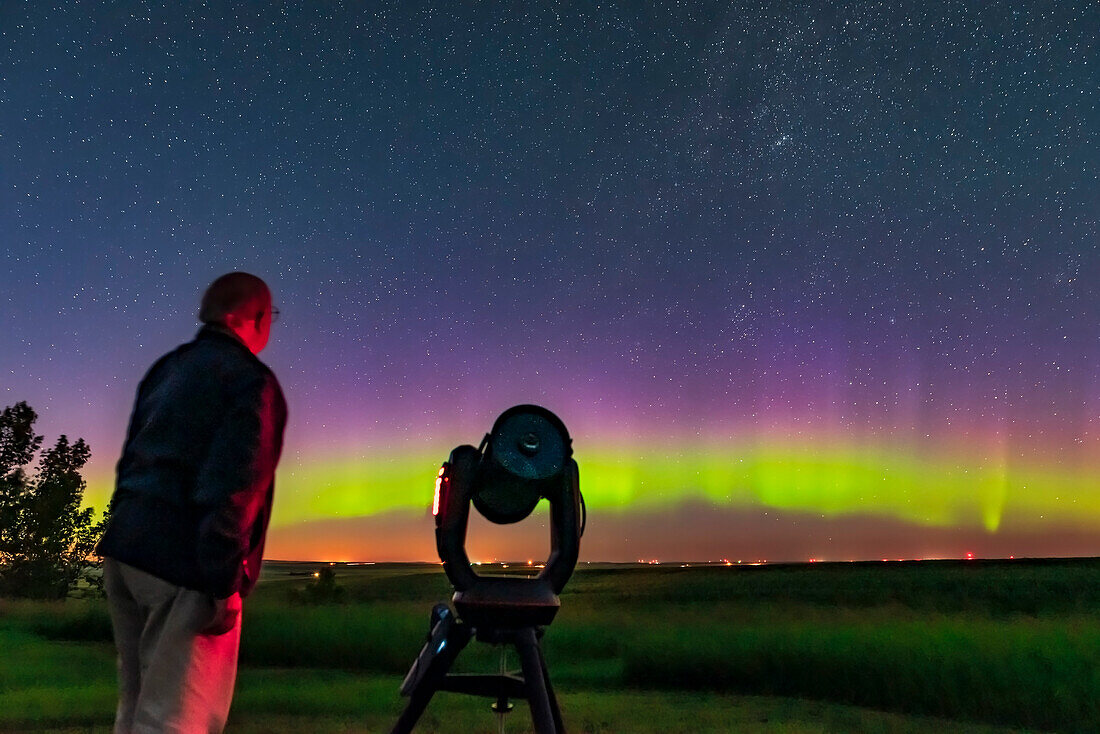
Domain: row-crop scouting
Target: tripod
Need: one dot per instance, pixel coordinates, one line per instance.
(448, 637)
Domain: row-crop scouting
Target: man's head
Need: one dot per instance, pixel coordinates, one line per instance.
(240, 302)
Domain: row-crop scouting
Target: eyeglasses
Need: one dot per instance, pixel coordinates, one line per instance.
(274, 315)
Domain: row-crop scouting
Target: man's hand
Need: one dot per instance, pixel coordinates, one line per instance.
(224, 618)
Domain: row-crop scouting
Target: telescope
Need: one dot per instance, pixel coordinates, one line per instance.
(525, 458)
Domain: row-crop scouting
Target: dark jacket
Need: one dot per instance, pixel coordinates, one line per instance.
(196, 478)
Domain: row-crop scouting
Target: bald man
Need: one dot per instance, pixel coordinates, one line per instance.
(189, 515)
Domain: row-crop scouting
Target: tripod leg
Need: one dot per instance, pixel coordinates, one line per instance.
(440, 663)
(533, 673)
(418, 701)
(550, 694)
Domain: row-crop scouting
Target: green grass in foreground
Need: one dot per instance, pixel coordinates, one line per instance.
(794, 649)
(307, 700)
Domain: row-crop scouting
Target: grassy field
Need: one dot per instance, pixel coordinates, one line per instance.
(879, 647)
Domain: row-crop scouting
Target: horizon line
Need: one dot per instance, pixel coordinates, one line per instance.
(707, 562)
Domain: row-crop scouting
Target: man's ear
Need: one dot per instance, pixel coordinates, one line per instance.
(234, 321)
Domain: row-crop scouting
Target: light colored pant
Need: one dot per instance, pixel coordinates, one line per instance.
(171, 678)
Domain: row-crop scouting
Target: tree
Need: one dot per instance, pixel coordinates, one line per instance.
(323, 589)
(46, 538)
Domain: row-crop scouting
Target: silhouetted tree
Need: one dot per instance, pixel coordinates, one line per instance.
(323, 589)
(46, 539)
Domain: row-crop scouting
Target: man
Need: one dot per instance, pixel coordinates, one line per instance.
(189, 515)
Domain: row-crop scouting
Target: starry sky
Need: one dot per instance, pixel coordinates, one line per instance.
(803, 280)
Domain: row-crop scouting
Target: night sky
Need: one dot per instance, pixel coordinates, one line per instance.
(803, 280)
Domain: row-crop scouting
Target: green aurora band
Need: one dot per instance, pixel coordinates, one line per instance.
(833, 482)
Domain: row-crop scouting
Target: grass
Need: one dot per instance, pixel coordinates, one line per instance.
(1024, 673)
(920, 647)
